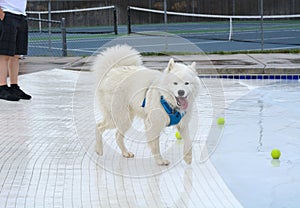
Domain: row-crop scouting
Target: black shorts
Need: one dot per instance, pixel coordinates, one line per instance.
(13, 35)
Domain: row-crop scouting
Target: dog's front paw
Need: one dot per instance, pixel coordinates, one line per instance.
(128, 154)
(188, 159)
(162, 162)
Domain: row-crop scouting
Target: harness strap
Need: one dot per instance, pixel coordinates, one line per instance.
(174, 115)
(144, 103)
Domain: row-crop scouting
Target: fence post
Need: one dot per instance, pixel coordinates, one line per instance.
(128, 20)
(115, 21)
(49, 25)
(64, 36)
(262, 24)
(230, 29)
(40, 22)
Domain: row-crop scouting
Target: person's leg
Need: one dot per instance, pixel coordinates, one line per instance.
(21, 48)
(13, 68)
(3, 69)
(7, 47)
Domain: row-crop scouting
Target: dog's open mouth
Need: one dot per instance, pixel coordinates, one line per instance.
(182, 102)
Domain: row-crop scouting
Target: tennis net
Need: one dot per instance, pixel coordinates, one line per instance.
(275, 29)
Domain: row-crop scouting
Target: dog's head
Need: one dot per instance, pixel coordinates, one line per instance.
(180, 84)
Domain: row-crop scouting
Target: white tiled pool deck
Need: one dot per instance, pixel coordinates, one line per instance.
(47, 157)
(44, 163)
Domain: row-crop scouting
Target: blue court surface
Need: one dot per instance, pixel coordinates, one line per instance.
(209, 36)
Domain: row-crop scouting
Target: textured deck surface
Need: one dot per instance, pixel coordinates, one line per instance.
(47, 156)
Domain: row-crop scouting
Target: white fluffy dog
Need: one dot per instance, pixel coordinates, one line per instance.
(127, 89)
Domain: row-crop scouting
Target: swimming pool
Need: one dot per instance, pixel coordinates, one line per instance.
(265, 118)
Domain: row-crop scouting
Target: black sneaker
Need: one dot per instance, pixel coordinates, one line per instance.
(15, 89)
(7, 94)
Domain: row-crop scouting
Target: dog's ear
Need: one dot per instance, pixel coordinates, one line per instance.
(170, 65)
(193, 66)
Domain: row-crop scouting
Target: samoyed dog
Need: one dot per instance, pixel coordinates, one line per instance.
(127, 89)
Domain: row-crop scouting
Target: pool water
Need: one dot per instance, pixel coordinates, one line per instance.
(265, 118)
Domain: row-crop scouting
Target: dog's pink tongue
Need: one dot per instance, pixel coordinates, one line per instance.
(183, 103)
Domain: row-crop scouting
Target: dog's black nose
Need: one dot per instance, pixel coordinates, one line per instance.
(181, 93)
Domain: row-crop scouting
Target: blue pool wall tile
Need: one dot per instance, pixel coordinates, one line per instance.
(254, 76)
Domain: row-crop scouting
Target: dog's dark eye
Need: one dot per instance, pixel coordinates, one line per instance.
(186, 83)
(175, 83)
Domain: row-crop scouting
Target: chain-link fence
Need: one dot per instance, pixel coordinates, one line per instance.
(46, 37)
(69, 36)
(265, 25)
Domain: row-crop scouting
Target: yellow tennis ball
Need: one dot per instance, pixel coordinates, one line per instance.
(177, 135)
(221, 121)
(275, 153)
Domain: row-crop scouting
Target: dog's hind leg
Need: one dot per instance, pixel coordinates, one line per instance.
(122, 128)
(100, 128)
(120, 142)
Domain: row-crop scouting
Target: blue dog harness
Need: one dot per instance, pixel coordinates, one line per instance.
(174, 115)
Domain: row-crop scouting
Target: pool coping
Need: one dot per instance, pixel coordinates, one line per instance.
(274, 63)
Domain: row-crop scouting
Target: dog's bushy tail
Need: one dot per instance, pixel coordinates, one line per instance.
(116, 56)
